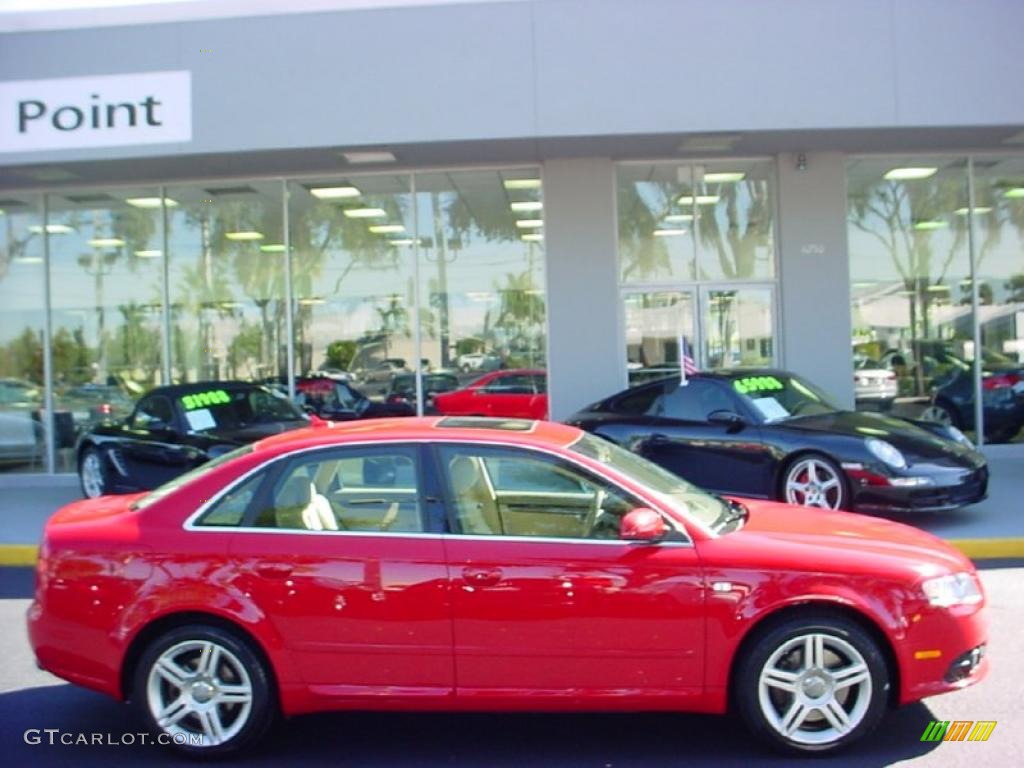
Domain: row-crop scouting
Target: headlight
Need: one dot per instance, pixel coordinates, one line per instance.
(954, 589)
(886, 452)
(959, 436)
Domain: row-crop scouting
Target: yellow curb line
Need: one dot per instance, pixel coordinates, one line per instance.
(18, 554)
(976, 549)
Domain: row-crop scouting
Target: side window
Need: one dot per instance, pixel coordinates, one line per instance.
(519, 493)
(510, 385)
(638, 402)
(352, 489)
(540, 384)
(694, 401)
(153, 410)
(230, 508)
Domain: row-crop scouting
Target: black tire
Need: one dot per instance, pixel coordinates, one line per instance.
(247, 725)
(864, 703)
(952, 415)
(845, 498)
(102, 483)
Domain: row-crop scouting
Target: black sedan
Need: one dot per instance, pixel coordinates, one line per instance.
(1002, 398)
(174, 429)
(340, 401)
(769, 434)
(402, 389)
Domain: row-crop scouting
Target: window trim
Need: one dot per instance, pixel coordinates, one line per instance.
(434, 480)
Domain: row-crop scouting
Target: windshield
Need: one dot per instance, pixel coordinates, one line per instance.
(170, 487)
(709, 510)
(236, 408)
(778, 397)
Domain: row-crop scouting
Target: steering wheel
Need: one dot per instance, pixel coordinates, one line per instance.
(594, 513)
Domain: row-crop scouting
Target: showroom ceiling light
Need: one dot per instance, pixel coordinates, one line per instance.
(365, 213)
(670, 232)
(724, 177)
(401, 241)
(530, 223)
(386, 229)
(51, 229)
(532, 237)
(1014, 193)
(977, 210)
(310, 301)
(699, 199)
(522, 183)
(930, 225)
(937, 289)
(525, 206)
(334, 193)
(244, 235)
(677, 217)
(479, 295)
(909, 174)
(149, 254)
(29, 260)
(272, 248)
(365, 157)
(106, 242)
(150, 202)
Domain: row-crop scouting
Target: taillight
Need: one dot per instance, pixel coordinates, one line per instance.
(106, 409)
(1000, 381)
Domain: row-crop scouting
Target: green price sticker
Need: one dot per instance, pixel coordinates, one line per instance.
(205, 399)
(752, 384)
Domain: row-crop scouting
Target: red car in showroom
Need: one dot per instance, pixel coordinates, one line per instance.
(470, 564)
(515, 393)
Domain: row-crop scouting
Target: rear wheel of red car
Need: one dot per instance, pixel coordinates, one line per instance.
(203, 691)
(812, 684)
(813, 480)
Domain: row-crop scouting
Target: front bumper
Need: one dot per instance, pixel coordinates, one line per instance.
(937, 642)
(969, 487)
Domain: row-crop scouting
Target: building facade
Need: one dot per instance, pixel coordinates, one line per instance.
(595, 187)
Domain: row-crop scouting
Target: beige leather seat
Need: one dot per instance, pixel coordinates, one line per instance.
(299, 506)
(475, 503)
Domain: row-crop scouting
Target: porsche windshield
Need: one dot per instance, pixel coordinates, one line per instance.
(778, 397)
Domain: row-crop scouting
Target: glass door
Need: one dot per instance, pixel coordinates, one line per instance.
(658, 325)
(738, 326)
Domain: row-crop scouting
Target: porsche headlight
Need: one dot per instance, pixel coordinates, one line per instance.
(953, 589)
(886, 452)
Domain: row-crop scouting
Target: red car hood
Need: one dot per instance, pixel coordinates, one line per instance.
(789, 536)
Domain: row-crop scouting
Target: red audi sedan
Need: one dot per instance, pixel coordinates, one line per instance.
(515, 393)
(472, 564)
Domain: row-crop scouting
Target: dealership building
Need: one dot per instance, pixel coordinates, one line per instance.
(592, 187)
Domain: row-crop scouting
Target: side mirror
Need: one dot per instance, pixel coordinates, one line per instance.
(729, 419)
(642, 525)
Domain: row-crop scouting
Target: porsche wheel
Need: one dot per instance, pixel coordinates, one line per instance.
(814, 481)
(812, 684)
(92, 474)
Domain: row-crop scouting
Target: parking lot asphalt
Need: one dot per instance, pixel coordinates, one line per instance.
(32, 699)
(992, 529)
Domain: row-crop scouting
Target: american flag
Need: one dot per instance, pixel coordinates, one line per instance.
(687, 365)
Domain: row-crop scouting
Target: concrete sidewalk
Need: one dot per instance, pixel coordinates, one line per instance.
(991, 529)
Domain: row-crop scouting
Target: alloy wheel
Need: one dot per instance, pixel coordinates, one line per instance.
(199, 688)
(938, 414)
(92, 475)
(814, 689)
(813, 482)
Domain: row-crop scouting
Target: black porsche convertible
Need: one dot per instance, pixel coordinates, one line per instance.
(770, 434)
(176, 428)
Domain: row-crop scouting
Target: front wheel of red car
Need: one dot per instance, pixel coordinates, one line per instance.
(203, 691)
(812, 684)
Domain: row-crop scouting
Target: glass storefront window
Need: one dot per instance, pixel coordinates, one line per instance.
(909, 261)
(696, 221)
(106, 299)
(481, 251)
(738, 329)
(352, 251)
(227, 281)
(22, 437)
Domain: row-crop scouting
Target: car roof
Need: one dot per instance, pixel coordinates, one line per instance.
(420, 429)
(177, 390)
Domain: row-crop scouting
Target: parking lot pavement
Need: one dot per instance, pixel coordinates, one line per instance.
(31, 699)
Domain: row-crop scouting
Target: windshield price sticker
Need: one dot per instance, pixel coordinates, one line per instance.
(205, 399)
(758, 384)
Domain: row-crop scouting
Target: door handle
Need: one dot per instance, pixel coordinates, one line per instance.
(481, 577)
(274, 570)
